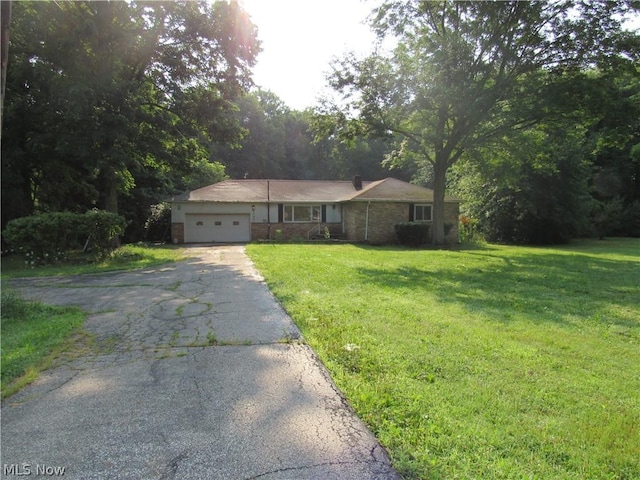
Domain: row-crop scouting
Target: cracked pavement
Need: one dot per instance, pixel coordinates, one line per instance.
(193, 371)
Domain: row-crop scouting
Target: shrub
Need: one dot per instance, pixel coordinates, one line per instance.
(102, 227)
(412, 233)
(48, 237)
(469, 229)
(157, 226)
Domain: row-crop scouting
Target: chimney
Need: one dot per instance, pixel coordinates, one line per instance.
(357, 182)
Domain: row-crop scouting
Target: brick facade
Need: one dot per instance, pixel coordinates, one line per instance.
(451, 217)
(291, 231)
(177, 232)
(382, 216)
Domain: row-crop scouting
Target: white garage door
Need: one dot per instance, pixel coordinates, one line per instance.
(203, 228)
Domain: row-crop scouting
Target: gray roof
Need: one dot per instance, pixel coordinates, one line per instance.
(308, 191)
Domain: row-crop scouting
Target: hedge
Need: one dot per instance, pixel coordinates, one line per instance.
(48, 237)
(412, 233)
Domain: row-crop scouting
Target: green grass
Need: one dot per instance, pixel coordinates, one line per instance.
(127, 257)
(33, 335)
(487, 362)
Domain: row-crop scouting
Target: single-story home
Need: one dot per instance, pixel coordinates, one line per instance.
(357, 211)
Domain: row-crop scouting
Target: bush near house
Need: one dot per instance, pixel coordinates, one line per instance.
(412, 234)
(157, 227)
(48, 237)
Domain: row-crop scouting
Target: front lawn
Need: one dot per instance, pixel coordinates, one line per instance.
(481, 363)
(32, 336)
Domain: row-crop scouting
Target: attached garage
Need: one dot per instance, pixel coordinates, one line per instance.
(219, 228)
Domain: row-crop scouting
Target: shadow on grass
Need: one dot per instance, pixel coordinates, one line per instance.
(536, 285)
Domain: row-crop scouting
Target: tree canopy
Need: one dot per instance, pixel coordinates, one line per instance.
(529, 111)
(105, 99)
(463, 74)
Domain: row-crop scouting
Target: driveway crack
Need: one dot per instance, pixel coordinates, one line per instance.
(172, 466)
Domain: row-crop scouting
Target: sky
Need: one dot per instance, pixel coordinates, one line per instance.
(300, 38)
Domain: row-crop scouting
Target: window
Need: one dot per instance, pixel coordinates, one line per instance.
(422, 213)
(302, 213)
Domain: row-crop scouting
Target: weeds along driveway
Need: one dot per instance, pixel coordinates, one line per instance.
(194, 372)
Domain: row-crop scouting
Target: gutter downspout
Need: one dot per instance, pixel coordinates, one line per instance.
(268, 214)
(366, 223)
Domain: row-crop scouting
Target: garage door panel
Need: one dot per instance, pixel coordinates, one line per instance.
(205, 228)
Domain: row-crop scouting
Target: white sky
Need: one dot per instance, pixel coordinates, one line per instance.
(299, 39)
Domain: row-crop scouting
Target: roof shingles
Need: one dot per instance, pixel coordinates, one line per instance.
(308, 191)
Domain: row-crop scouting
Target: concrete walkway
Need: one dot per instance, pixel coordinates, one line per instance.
(195, 372)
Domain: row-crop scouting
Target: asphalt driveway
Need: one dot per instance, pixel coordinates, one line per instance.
(194, 372)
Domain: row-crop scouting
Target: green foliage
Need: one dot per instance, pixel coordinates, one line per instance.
(530, 187)
(412, 233)
(48, 237)
(494, 362)
(280, 143)
(117, 102)
(468, 230)
(631, 219)
(30, 332)
(44, 238)
(158, 224)
(465, 73)
(606, 215)
(102, 227)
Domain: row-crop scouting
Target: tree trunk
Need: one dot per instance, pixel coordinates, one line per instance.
(4, 32)
(439, 184)
(111, 202)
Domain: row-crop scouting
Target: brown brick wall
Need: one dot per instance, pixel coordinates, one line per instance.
(177, 232)
(383, 217)
(290, 231)
(451, 216)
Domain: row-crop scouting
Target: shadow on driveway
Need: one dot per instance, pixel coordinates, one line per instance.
(194, 375)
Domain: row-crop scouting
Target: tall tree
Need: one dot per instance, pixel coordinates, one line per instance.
(458, 69)
(5, 20)
(99, 93)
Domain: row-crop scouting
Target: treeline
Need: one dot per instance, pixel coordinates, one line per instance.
(120, 105)
(114, 105)
(577, 175)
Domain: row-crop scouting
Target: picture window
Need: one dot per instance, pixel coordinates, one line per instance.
(422, 213)
(302, 213)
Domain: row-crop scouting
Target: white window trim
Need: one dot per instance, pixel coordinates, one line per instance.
(415, 212)
(306, 206)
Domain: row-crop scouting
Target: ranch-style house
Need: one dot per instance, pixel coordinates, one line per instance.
(358, 211)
